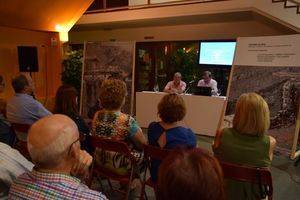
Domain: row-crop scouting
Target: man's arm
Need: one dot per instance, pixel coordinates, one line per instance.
(214, 87)
(168, 88)
(41, 111)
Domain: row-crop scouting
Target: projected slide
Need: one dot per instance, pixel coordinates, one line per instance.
(216, 53)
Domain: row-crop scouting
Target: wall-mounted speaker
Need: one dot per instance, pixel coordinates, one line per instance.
(28, 59)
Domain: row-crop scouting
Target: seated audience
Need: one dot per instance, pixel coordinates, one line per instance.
(58, 159)
(246, 143)
(189, 175)
(110, 122)
(12, 165)
(23, 108)
(66, 102)
(169, 133)
(7, 135)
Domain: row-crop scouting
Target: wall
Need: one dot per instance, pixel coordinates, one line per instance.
(48, 78)
(225, 30)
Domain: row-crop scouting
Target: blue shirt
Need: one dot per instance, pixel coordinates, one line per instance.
(24, 109)
(178, 137)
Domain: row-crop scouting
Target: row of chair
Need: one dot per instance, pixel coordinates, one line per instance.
(260, 176)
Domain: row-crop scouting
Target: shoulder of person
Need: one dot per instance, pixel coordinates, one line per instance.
(272, 140)
(153, 124)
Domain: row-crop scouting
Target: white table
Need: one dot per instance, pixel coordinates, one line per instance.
(203, 113)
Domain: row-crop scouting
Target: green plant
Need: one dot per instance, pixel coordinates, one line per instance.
(72, 69)
(186, 63)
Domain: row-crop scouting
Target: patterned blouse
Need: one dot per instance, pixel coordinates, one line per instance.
(118, 126)
(115, 125)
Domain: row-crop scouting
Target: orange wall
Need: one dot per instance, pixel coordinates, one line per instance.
(47, 80)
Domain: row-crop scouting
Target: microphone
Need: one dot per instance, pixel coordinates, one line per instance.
(191, 81)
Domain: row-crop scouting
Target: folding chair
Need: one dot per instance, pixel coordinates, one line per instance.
(21, 131)
(104, 172)
(151, 153)
(260, 176)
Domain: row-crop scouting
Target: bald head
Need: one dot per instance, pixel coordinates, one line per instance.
(50, 138)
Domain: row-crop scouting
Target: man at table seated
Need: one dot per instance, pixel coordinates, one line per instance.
(175, 86)
(23, 108)
(207, 81)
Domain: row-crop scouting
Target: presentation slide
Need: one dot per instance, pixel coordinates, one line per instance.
(216, 53)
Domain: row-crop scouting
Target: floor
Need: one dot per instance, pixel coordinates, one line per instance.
(286, 176)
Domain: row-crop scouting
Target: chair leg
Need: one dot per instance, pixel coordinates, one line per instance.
(129, 184)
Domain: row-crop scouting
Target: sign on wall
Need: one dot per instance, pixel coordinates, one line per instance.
(103, 60)
(270, 66)
(268, 51)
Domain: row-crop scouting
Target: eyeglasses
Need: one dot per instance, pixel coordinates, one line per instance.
(72, 145)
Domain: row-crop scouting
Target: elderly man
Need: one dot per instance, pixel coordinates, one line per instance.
(58, 159)
(12, 165)
(23, 108)
(175, 86)
(207, 81)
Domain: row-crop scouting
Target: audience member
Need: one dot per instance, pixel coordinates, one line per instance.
(12, 165)
(58, 159)
(189, 175)
(110, 122)
(23, 108)
(7, 135)
(66, 102)
(169, 133)
(246, 143)
(2, 84)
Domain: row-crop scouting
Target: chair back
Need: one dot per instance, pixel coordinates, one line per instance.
(112, 145)
(155, 153)
(21, 131)
(260, 176)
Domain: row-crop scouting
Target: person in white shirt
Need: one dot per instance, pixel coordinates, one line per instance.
(176, 86)
(207, 81)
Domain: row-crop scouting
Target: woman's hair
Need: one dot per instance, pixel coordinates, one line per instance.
(65, 101)
(252, 115)
(112, 94)
(190, 174)
(171, 108)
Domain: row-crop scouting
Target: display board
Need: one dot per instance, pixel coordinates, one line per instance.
(270, 66)
(104, 60)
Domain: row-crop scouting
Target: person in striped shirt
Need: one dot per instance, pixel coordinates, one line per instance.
(53, 144)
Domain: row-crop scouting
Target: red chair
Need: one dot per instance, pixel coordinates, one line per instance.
(109, 174)
(21, 131)
(260, 176)
(151, 153)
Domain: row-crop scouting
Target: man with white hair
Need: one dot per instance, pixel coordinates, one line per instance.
(53, 144)
(175, 86)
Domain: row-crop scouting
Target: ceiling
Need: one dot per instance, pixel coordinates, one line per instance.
(193, 19)
(42, 15)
